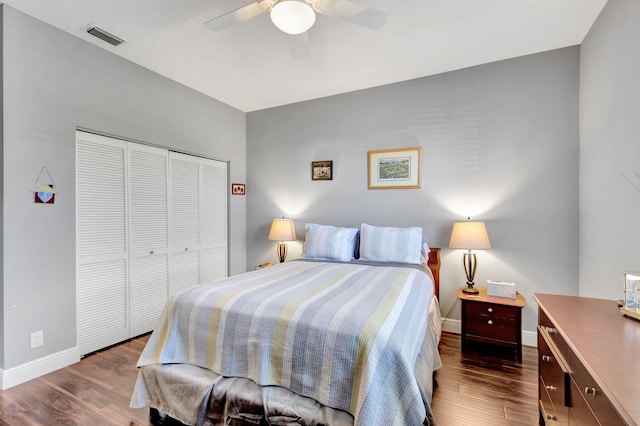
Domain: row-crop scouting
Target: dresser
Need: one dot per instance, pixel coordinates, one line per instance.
(491, 320)
(589, 362)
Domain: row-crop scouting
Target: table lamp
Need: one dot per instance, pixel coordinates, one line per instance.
(282, 230)
(470, 236)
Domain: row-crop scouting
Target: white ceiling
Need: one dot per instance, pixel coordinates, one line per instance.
(249, 66)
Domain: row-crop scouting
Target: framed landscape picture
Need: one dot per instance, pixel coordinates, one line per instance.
(395, 168)
(321, 170)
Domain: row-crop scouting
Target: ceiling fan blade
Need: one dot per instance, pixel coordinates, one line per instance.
(299, 45)
(237, 16)
(355, 13)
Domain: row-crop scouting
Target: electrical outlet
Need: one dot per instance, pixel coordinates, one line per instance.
(37, 339)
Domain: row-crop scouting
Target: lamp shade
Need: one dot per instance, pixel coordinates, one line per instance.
(293, 16)
(282, 230)
(470, 236)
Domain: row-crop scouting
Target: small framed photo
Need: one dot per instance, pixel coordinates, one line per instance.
(237, 188)
(322, 170)
(395, 168)
(632, 292)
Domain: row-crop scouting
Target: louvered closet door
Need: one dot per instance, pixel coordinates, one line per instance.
(198, 221)
(148, 236)
(214, 220)
(101, 242)
(185, 222)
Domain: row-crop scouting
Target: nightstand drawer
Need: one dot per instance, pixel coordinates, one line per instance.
(475, 309)
(491, 320)
(493, 328)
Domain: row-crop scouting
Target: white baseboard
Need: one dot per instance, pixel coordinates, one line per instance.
(451, 325)
(529, 338)
(38, 367)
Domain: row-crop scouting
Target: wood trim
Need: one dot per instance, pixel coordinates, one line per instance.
(434, 265)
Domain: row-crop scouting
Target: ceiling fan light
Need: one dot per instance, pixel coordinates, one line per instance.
(293, 16)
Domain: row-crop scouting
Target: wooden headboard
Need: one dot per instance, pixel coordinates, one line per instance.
(434, 264)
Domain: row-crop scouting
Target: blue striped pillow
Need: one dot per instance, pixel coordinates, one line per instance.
(329, 242)
(388, 244)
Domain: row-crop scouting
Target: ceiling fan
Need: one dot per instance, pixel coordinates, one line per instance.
(296, 17)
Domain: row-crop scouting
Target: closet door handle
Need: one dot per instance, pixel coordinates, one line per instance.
(590, 391)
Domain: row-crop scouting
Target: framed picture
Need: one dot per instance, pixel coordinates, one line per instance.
(631, 299)
(322, 170)
(237, 188)
(395, 168)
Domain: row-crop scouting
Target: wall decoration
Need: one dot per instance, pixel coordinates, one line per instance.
(395, 168)
(237, 188)
(322, 170)
(44, 193)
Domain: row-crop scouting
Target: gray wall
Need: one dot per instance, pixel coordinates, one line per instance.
(500, 144)
(610, 150)
(54, 82)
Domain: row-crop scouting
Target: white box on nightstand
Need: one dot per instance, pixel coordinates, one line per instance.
(501, 289)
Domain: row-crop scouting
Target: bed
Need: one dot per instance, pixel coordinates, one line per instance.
(346, 335)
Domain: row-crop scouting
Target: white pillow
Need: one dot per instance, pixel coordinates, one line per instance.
(424, 251)
(329, 242)
(388, 244)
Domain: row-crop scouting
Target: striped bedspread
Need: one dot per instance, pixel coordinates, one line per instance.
(347, 335)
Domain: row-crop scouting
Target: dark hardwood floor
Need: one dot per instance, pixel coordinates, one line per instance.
(472, 389)
(482, 389)
(95, 391)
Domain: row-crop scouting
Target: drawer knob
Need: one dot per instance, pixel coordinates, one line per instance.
(551, 388)
(590, 391)
(490, 310)
(551, 330)
(151, 252)
(551, 417)
(490, 322)
(546, 358)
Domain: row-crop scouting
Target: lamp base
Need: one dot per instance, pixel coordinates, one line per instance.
(282, 251)
(470, 265)
(470, 290)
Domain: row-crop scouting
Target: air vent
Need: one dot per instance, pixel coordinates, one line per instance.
(105, 36)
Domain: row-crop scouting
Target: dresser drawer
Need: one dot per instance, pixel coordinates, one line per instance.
(490, 309)
(493, 328)
(590, 391)
(580, 413)
(553, 333)
(551, 414)
(553, 371)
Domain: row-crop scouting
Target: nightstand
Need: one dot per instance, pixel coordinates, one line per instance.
(492, 320)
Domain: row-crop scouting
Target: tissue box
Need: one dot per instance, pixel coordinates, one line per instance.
(501, 289)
